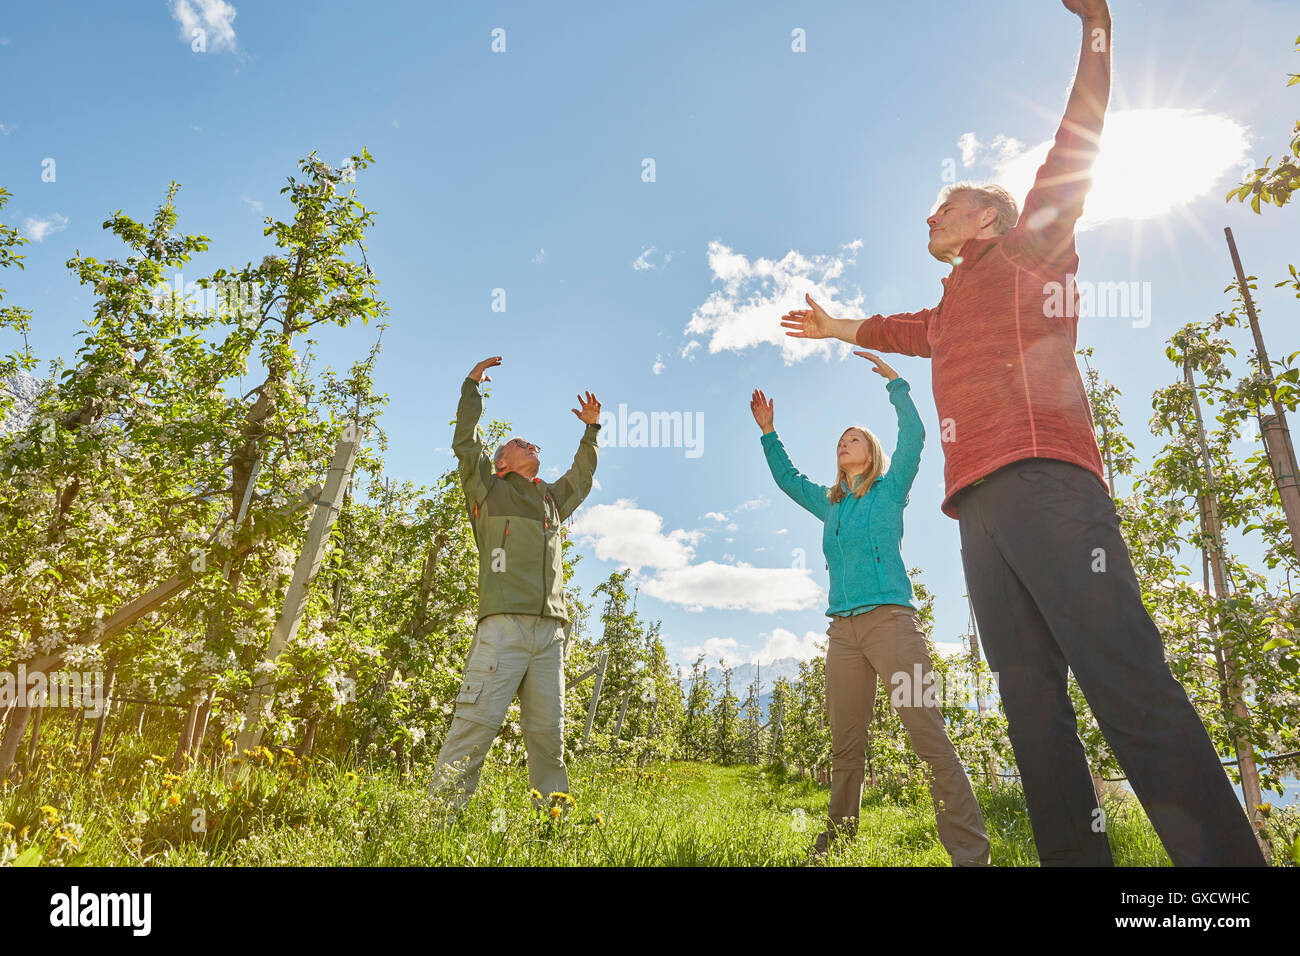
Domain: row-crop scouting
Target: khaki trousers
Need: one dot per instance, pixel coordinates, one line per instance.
(888, 641)
(511, 653)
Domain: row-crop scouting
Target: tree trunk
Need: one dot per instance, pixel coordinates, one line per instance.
(36, 736)
(183, 742)
(18, 719)
(1250, 787)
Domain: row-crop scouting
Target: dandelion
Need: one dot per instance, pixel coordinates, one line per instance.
(139, 818)
(555, 812)
(535, 793)
(600, 820)
(51, 813)
(350, 776)
(173, 800)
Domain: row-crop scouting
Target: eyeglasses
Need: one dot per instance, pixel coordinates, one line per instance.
(525, 445)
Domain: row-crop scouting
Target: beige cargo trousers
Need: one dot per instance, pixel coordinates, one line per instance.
(511, 653)
(888, 643)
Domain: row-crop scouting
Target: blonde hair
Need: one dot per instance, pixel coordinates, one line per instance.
(986, 197)
(879, 462)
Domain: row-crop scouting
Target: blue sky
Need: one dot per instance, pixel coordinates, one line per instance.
(775, 172)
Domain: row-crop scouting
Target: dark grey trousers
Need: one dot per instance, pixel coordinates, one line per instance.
(1035, 535)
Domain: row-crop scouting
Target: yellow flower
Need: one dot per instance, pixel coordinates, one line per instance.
(349, 776)
(1265, 808)
(600, 820)
(51, 813)
(555, 812)
(6, 825)
(562, 796)
(535, 794)
(173, 800)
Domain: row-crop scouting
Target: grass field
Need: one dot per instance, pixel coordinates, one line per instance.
(131, 811)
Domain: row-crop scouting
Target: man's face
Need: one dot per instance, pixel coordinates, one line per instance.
(521, 456)
(957, 220)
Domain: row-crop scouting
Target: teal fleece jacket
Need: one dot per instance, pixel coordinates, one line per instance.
(862, 537)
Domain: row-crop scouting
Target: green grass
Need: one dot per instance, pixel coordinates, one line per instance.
(677, 814)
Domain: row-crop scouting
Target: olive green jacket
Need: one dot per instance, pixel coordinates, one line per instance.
(516, 520)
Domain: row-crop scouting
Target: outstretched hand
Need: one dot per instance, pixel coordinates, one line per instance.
(812, 323)
(590, 409)
(1088, 9)
(764, 410)
(476, 373)
(882, 368)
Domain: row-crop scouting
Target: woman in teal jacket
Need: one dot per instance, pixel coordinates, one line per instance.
(874, 629)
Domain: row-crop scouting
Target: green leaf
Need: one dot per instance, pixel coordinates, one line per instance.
(31, 856)
(1278, 642)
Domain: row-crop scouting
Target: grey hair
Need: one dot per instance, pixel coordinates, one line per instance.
(987, 197)
(499, 454)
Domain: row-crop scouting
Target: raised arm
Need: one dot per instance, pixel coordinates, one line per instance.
(803, 491)
(1055, 202)
(575, 484)
(905, 332)
(474, 463)
(906, 459)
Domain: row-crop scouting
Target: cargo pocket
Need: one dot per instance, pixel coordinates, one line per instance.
(481, 667)
(469, 692)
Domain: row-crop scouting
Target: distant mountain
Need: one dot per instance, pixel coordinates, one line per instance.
(742, 675)
(24, 389)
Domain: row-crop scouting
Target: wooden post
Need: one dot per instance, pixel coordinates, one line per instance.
(1273, 428)
(776, 727)
(622, 710)
(295, 598)
(97, 739)
(36, 736)
(595, 694)
(1250, 785)
(187, 731)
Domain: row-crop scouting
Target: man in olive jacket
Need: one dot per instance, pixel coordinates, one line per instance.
(518, 646)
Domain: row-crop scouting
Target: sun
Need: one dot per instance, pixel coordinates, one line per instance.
(1151, 162)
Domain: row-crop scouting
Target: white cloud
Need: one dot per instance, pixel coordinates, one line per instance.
(642, 261)
(713, 649)
(782, 643)
(1136, 176)
(738, 587)
(949, 648)
(658, 366)
(635, 537)
(969, 147)
(715, 515)
(595, 483)
(214, 17)
(540, 257)
(5, 130)
(37, 229)
(753, 504)
(746, 311)
(253, 204)
(783, 531)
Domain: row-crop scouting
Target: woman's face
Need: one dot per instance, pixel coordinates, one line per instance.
(853, 453)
